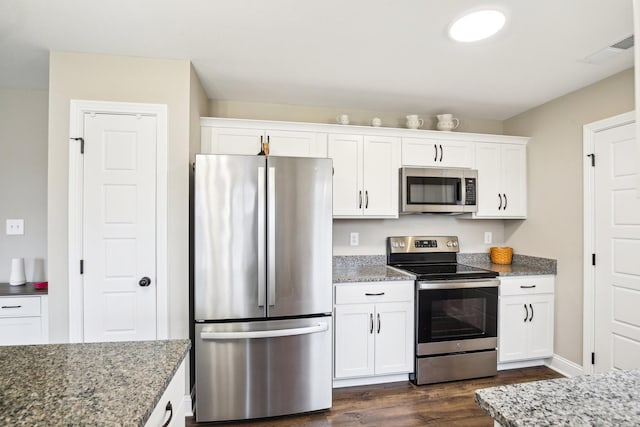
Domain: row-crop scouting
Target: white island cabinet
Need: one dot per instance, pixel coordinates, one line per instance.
(525, 319)
(373, 332)
(170, 409)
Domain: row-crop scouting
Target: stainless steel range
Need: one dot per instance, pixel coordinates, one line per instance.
(456, 310)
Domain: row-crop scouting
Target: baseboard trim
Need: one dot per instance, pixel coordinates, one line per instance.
(188, 408)
(521, 364)
(351, 382)
(565, 366)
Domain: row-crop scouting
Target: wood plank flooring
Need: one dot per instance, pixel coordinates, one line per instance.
(403, 404)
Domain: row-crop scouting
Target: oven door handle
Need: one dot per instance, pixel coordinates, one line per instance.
(458, 284)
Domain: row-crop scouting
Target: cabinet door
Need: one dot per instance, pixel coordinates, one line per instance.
(232, 141)
(393, 338)
(514, 180)
(346, 152)
(381, 162)
(354, 340)
(456, 154)
(489, 174)
(21, 331)
(297, 144)
(540, 326)
(512, 328)
(420, 152)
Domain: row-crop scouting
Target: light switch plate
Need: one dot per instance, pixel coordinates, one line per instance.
(354, 239)
(488, 237)
(15, 227)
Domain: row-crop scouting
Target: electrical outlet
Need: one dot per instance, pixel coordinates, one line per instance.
(15, 227)
(488, 237)
(354, 239)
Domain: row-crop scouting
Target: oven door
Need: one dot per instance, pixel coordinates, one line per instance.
(456, 316)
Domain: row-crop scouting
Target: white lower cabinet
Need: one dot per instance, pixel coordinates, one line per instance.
(373, 329)
(24, 320)
(525, 318)
(170, 410)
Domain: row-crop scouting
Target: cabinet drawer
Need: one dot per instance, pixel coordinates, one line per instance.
(526, 285)
(374, 292)
(174, 394)
(19, 306)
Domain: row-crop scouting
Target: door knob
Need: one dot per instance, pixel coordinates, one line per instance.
(145, 281)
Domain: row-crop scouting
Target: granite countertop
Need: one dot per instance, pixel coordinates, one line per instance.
(522, 265)
(116, 383)
(366, 268)
(609, 399)
(7, 290)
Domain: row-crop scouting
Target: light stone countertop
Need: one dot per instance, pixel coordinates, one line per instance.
(609, 399)
(105, 384)
(522, 265)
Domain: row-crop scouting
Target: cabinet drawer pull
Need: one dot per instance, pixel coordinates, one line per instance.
(505, 201)
(440, 152)
(360, 199)
(366, 199)
(378, 322)
(374, 295)
(526, 312)
(168, 409)
(500, 205)
(527, 286)
(435, 150)
(371, 323)
(11, 306)
(531, 308)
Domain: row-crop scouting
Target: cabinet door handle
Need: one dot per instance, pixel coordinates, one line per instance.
(505, 201)
(11, 306)
(369, 294)
(527, 286)
(531, 308)
(366, 199)
(500, 206)
(435, 150)
(526, 312)
(378, 322)
(440, 152)
(168, 409)
(360, 199)
(371, 323)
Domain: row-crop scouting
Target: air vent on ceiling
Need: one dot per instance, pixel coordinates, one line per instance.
(610, 51)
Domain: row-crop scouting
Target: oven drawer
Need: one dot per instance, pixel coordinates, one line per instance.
(357, 293)
(526, 285)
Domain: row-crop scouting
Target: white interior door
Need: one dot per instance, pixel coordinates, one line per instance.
(119, 227)
(617, 243)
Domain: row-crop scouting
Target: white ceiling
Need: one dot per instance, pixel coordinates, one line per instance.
(386, 55)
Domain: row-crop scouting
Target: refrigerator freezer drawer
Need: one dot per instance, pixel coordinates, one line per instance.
(262, 369)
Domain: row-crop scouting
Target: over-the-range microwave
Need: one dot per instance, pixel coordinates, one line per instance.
(438, 190)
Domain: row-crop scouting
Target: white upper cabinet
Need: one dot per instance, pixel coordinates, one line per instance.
(437, 153)
(502, 180)
(365, 175)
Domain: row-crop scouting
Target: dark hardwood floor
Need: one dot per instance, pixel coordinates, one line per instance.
(403, 404)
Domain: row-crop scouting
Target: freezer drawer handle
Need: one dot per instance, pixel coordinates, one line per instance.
(320, 327)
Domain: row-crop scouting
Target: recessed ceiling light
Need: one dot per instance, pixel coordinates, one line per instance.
(477, 25)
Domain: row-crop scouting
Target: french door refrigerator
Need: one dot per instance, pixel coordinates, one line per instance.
(263, 287)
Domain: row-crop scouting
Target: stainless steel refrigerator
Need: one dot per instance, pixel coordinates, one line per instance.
(263, 288)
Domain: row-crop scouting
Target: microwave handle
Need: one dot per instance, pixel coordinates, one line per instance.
(459, 191)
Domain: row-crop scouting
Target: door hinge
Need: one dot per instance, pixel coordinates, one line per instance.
(593, 259)
(593, 159)
(81, 266)
(81, 139)
(593, 358)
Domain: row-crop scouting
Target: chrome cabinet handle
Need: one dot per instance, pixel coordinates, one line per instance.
(371, 323)
(440, 152)
(374, 295)
(526, 312)
(366, 199)
(168, 409)
(531, 308)
(500, 206)
(435, 150)
(505, 201)
(378, 322)
(11, 306)
(360, 198)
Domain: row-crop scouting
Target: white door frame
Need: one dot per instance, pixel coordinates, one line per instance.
(76, 130)
(588, 146)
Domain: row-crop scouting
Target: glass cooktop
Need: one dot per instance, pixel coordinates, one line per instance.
(447, 271)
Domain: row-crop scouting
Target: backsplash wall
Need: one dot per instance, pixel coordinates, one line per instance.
(373, 232)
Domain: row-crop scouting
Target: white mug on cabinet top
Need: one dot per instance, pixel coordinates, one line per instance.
(414, 122)
(342, 119)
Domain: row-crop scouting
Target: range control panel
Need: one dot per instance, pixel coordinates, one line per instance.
(409, 244)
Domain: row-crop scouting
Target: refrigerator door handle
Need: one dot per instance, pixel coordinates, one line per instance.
(271, 235)
(261, 236)
(320, 327)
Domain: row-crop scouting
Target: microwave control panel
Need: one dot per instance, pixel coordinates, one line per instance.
(470, 191)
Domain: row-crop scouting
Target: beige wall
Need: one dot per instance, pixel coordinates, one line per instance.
(23, 179)
(317, 114)
(122, 79)
(555, 166)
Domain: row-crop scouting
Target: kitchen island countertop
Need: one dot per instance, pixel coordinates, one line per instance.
(608, 399)
(114, 383)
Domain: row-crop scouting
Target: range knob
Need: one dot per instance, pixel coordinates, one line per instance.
(455, 243)
(449, 244)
